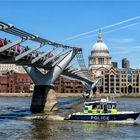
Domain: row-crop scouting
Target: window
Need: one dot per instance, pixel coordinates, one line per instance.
(101, 60)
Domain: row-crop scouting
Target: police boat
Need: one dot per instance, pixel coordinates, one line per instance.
(102, 110)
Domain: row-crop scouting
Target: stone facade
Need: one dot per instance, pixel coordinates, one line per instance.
(119, 81)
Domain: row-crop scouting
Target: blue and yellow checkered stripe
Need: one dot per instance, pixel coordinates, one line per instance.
(88, 109)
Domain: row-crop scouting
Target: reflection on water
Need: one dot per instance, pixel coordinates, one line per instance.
(99, 126)
(90, 127)
(62, 130)
(12, 127)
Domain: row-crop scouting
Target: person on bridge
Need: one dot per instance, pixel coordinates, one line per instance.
(1, 42)
(17, 48)
(5, 42)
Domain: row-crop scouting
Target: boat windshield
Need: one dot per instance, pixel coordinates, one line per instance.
(101, 105)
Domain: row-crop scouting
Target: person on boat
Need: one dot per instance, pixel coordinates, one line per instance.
(86, 95)
(94, 107)
(105, 108)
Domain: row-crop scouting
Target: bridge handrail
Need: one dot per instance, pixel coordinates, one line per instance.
(9, 28)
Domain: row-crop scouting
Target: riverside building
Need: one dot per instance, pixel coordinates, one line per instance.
(13, 82)
(11, 67)
(113, 80)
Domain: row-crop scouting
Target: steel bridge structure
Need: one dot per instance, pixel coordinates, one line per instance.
(44, 66)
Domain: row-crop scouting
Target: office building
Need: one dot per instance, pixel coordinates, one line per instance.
(115, 64)
(125, 63)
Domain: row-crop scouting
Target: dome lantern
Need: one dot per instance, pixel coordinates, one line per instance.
(99, 37)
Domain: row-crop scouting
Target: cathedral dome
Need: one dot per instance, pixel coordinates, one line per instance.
(100, 56)
(100, 48)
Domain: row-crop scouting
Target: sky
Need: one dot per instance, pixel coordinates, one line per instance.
(61, 21)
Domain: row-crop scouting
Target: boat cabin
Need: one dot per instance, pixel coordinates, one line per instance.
(102, 106)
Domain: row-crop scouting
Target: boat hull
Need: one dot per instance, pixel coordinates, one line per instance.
(103, 117)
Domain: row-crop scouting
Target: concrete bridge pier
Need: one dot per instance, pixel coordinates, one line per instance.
(44, 97)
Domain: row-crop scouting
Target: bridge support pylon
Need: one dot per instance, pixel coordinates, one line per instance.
(44, 99)
(44, 96)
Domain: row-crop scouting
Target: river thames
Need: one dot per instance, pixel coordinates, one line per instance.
(12, 126)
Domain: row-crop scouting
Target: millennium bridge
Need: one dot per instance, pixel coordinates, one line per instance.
(44, 67)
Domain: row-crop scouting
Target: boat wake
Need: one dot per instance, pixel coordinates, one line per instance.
(44, 117)
(107, 122)
(129, 121)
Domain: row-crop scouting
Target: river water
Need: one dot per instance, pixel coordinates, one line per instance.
(13, 127)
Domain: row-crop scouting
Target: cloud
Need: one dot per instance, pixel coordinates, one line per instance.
(136, 47)
(105, 27)
(120, 52)
(122, 40)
